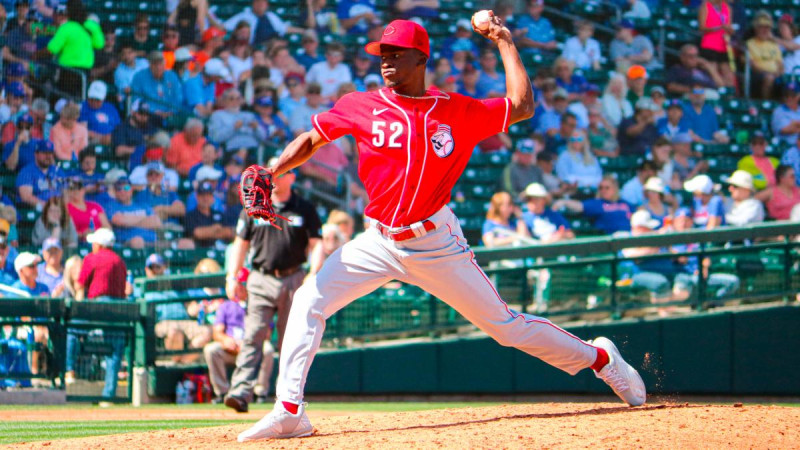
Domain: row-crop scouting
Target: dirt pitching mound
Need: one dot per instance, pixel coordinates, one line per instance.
(552, 425)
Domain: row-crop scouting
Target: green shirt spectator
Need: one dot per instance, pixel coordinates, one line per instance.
(74, 44)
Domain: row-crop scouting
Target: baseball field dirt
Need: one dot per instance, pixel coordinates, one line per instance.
(538, 425)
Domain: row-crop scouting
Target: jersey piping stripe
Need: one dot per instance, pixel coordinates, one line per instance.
(408, 157)
(424, 158)
(505, 118)
(500, 299)
(319, 128)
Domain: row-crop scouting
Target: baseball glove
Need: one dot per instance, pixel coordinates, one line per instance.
(255, 190)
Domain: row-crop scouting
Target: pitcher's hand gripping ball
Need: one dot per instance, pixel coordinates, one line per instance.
(255, 191)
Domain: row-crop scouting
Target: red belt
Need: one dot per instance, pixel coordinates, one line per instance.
(404, 233)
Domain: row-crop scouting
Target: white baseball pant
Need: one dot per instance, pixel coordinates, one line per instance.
(439, 262)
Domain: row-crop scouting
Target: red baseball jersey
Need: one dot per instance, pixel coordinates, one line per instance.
(411, 150)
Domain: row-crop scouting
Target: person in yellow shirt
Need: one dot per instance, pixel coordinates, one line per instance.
(759, 165)
(765, 54)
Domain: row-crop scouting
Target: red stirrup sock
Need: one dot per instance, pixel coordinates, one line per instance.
(601, 361)
(292, 408)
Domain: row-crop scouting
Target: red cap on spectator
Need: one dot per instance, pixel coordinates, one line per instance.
(153, 153)
(211, 33)
(402, 33)
(242, 274)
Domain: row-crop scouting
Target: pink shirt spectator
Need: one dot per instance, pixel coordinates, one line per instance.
(715, 40)
(82, 219)
(68, 143)
(780, 205)
(103, 274)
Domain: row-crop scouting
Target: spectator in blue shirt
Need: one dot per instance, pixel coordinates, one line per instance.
(502, 227)
(708, 209)
(209, 156)
(355, 16)
(556, 139)
(543, 223)
(26, 267)
(633, 190)
(673, 124)
(491, 83)
(786, 117)
(468, 82)
(608, 213)
(159, 87)
(578, 165)
(309, 54)
(200, 90)
(7, 256)
(134, 223)
(128, 139)
(19, 152)
(534, 33)
(87, 171)
(100, 116)
(41, 179)
(165, 203)
(573, 83)
(128, 66)
(460, 41)
(702, 119)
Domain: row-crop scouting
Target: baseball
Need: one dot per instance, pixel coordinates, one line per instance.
(481, 19)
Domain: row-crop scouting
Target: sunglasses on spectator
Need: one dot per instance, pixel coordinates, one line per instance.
(126, 187)
(292, 84)
(576, 139)
(604, 187)
(155, 267)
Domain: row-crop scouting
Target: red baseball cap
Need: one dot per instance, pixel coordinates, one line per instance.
(402, 33)
(211, 33)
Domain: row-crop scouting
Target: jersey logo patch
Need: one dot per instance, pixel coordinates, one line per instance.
(442, 141)
(376, 111)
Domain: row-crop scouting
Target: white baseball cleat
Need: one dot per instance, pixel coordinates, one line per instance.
(623, 379)
(279, 424)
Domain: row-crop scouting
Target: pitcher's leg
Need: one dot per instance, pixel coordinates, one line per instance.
(355, 270)
(462, 284)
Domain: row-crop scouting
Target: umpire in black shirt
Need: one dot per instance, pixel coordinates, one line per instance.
(276, 256)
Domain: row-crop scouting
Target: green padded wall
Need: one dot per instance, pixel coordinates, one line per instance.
(475, 365)
(335, 372)
(409, 368)
(697, 354)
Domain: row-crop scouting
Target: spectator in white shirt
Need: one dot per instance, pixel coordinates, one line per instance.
(745, 209)
(583, 50)
(330, 73)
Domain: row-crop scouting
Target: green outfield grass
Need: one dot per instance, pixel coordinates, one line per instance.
(27, 431)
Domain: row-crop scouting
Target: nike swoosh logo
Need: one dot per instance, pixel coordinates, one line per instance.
(378, 111)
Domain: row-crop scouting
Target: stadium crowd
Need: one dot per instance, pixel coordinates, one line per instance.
(180, 110)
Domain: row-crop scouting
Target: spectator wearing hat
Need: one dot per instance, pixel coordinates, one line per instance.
(577, 165)
(708, 209)
(629, 48)
(789, 40)
(134, 224)
(607, 212)
(203, 224)
(86, 216)
(19, 152)
(100, 116)
(103, 273)
(41, 179)
(744, 209)
(781, 198)
(213, 175)
(213, 38)
(26, 265)
(543, 223)
(686, 163)
(154, 154)
(51, 271)
(765, 55)
(185, 148)
(14, 106)
(74, 46)
(690, 71)
(55, 222)
(128, 138)
(309, 54)
(300, 119)
(232, 127)
(673, 124)
(129, 64)
(588, 100)
(553, 119)
(534, 33)
(760, 166)
(582, 49)
(637, 84)
(200, 90)
(637, 134)
(209, 155)
(269, 119)
(264, 24)
(160, 87)
(69, 135)
(701, 118)
(184, 64)
(332, 72)
(786, 117)
(656, 193)
(165, 203)
(615, 106)
(633, 190)
(105, 193)
(521, 171)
